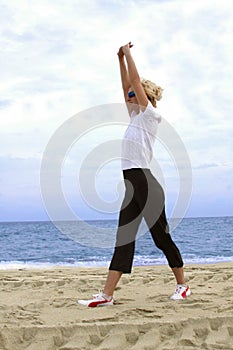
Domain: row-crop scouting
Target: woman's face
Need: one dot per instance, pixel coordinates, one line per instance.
(132, 101)
(131, 96)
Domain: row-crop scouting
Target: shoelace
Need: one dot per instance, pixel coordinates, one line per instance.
(178, 289)
(98, 294)
(101, 295)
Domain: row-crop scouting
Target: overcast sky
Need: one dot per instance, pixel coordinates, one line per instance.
(59, 58)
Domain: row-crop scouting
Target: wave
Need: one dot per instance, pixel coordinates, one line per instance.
(138, 261)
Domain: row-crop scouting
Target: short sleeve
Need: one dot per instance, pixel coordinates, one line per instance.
(151, 114)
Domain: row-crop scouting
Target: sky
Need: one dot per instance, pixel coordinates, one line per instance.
(59, 59)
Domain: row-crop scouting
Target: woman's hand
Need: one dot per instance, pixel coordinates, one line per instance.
(126, 48)
(120, 52)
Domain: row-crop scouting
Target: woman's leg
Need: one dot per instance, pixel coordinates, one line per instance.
(129, 220)
(122, 260)
(111, 282)
(179, 274)
(153, 210)
(163, 240)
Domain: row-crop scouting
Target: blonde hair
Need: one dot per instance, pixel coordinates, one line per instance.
(153, 92)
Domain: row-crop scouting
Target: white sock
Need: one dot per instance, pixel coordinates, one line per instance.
(107, 297)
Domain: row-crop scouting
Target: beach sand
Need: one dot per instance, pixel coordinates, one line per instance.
(39, 310)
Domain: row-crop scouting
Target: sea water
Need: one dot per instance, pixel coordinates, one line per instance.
(42, 244)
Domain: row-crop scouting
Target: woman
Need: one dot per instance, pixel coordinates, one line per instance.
(144, 197)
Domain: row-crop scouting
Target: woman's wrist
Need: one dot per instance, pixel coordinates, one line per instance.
(129, 58)
(128, 53)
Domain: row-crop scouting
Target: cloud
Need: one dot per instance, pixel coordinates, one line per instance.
(60, 58)
(207, 165)
(5, 103)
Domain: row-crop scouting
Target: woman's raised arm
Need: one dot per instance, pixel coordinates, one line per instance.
(134, 78)
(124, 74)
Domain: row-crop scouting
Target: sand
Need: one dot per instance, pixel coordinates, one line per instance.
(39, 310)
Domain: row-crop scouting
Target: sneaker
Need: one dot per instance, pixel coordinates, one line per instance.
(99, 299)
(182, 292)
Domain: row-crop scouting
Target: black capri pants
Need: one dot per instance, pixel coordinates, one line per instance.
(144, 197)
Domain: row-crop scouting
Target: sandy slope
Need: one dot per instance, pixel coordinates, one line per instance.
(39, 310)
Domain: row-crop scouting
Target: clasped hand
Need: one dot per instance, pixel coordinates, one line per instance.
(123, 50)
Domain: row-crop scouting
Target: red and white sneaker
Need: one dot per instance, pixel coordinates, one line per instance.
(99, 299)
(182, 292)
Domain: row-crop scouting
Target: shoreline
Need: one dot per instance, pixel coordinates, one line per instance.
(39, 310)
(44, 266)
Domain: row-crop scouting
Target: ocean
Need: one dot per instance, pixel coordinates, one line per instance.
(41, 244)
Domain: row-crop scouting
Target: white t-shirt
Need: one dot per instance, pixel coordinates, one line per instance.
(139, 138)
